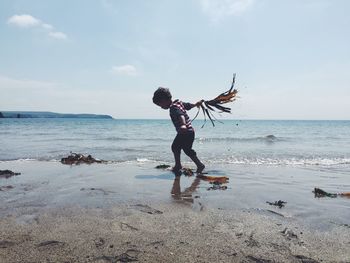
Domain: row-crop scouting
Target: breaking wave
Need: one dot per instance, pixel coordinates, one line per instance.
(322, 162)
(268, 138)
(285, 161)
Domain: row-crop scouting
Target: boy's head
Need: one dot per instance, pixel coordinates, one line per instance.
(162, 98)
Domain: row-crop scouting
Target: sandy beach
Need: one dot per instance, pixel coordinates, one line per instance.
(99, 100)
(133, 212)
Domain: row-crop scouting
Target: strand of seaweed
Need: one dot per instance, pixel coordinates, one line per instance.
(209, 107)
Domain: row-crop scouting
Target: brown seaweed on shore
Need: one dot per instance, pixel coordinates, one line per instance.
(217, 179)
(162, 166)
(7, 174)
(321, 193)
(217, 182)
(187, 171)
(77, 158)
(208, 107)
(217, 185)
(278, 203)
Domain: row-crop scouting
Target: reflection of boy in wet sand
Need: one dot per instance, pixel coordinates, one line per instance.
(187, 194)
(185, 132)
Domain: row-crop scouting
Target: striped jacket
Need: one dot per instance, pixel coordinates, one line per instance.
(178, 108)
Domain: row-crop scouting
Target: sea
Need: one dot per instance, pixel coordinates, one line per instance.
(265, 161)
(304, 143)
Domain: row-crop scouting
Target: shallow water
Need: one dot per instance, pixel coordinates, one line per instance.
(313, 144)
(51, 184)
(265, 161)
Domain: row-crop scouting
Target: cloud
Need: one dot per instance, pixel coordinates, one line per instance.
(218, 9)
(47, 26)
(128, 70)
(58, 35)
(26, 21)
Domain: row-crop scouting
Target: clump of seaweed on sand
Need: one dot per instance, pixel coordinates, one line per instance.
(321, 193)
(78, 158)
(209, 107)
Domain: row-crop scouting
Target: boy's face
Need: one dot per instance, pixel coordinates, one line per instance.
(164, 104)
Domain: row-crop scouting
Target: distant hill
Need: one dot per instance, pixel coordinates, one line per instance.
(44, 114)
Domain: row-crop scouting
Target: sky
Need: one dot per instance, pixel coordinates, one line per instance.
(292, 57)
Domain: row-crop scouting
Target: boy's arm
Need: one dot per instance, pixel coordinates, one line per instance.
(189, 106)
(198, 103)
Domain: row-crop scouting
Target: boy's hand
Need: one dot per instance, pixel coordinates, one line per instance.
(199, 103)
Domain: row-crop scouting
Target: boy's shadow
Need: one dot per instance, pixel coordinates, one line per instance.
(185, 196)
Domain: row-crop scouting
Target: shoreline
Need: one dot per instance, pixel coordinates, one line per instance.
(111, 212)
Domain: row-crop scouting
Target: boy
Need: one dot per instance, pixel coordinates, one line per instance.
(185, 132)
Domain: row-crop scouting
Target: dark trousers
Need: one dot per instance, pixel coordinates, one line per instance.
(184, 141)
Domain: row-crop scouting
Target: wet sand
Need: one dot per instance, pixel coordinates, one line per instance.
(132, 212)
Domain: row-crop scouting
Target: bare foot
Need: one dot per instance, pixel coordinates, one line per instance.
(200, 168)
(176, 169)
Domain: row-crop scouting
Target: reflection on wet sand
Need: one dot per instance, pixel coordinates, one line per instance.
(185, 196)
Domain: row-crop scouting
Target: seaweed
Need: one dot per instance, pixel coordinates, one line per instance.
(187, 171)
(7, 174)
(278, 203)
(77, 158)
(321, 193)
(209, 107)
(162, 166)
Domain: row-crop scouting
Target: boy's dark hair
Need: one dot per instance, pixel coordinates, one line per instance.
(161, 94)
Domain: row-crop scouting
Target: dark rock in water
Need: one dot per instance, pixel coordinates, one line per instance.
(77, 158)
(278, 203)
(1, 115)
(162, 166)
(7, 174)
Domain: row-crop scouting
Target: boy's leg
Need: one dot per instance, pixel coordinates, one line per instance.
(200, 165)
(176, 149)
(187, 147)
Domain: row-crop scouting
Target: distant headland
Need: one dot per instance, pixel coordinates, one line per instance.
(44, 114)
